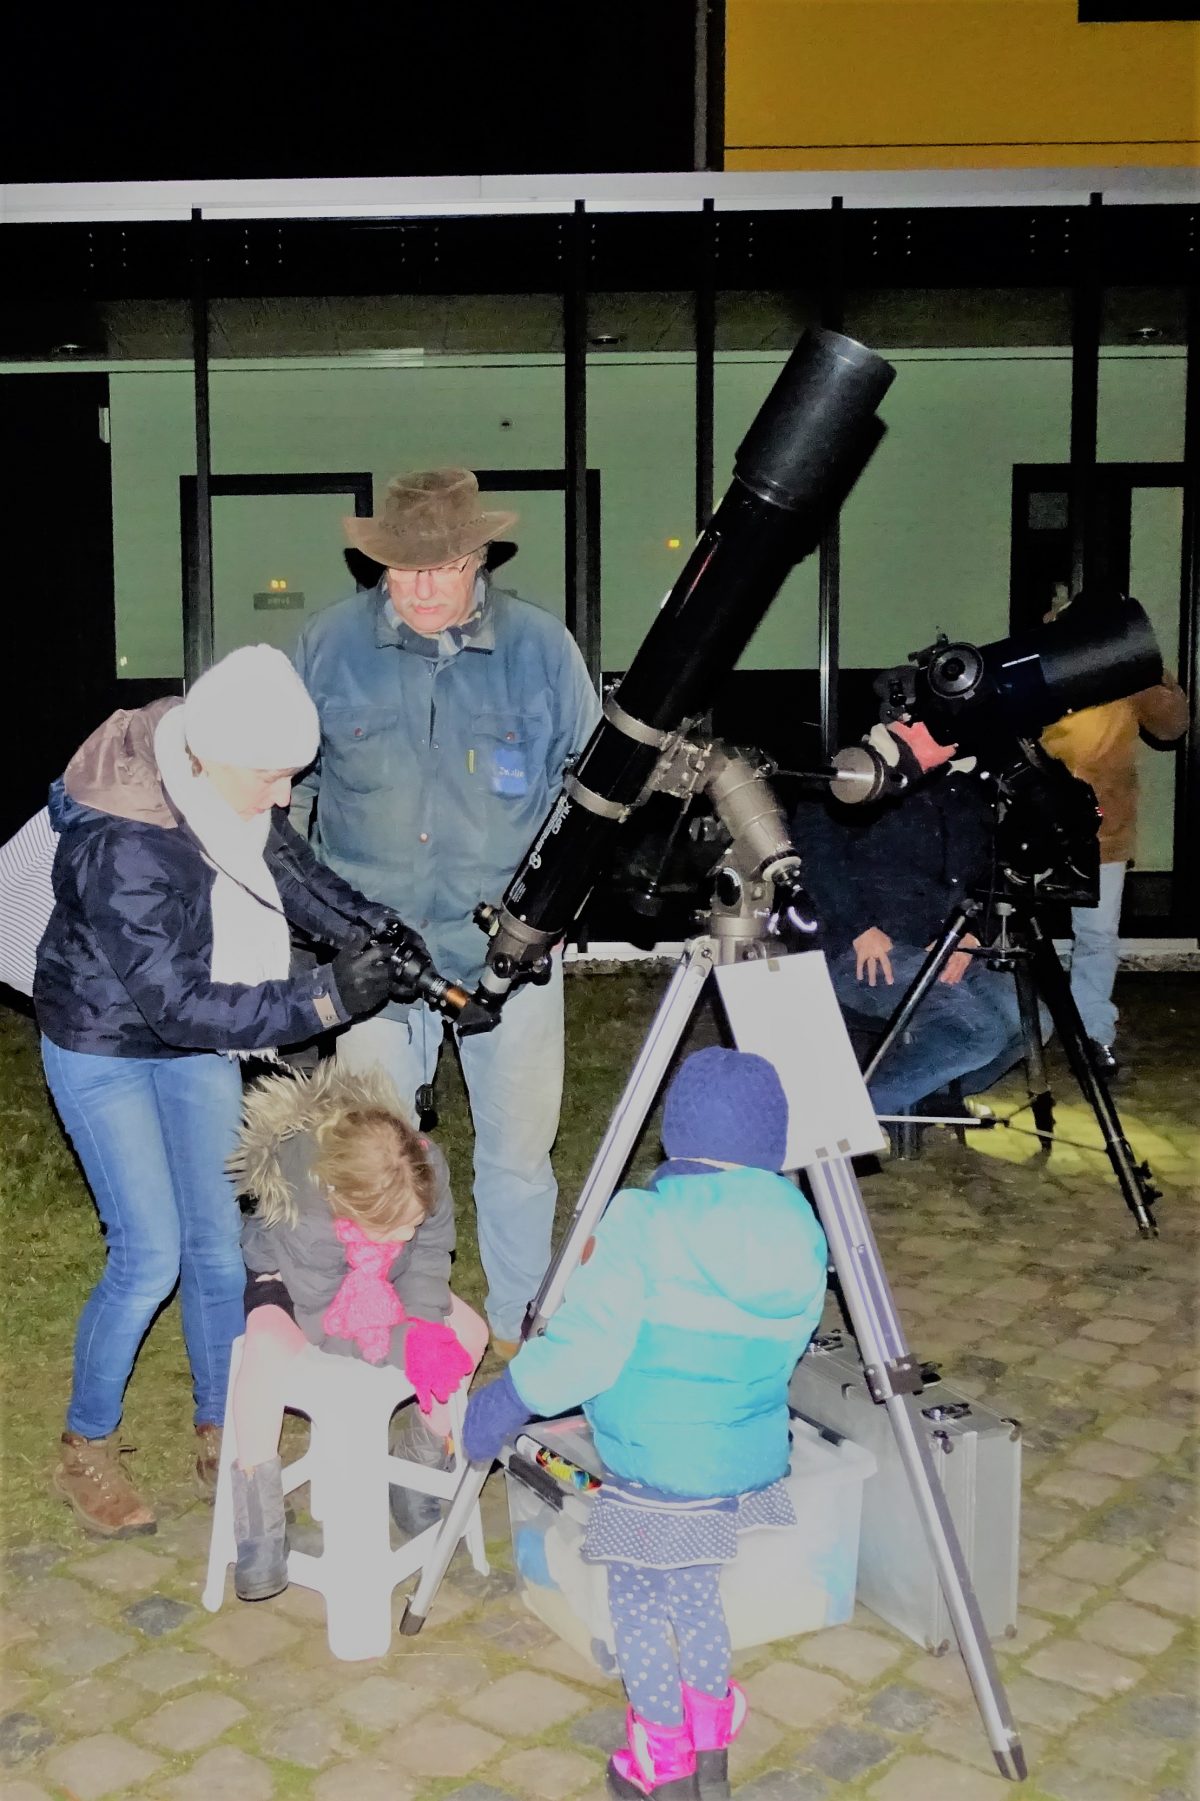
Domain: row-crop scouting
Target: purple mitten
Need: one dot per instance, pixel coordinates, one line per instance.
(434, 1361)
(494, 1413)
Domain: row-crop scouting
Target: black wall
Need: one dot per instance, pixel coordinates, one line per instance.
(57, 617)
(234, 91)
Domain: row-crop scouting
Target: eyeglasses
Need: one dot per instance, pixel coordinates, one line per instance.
(440, 571)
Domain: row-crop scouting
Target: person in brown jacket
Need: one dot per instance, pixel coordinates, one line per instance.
(1099, 745)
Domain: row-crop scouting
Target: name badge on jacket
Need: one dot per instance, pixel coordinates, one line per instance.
(507, 768)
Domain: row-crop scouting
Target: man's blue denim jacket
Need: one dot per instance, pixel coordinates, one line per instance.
(439, 756)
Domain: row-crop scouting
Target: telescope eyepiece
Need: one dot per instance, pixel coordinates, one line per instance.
(955, 672)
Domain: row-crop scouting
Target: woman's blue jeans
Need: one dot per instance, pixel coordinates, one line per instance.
(152, 1135)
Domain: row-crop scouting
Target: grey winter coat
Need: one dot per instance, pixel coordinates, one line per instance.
(291, 1231)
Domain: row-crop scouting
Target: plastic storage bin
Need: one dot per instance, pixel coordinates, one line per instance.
(784, 1581)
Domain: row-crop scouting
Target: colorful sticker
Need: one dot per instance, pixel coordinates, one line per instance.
(508, 769)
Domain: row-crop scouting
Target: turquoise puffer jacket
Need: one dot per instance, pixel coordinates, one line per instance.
(680, 1331)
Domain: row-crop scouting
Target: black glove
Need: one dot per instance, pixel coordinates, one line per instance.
(363, 978)
(410, 959)
(406, 949)
(375, 918)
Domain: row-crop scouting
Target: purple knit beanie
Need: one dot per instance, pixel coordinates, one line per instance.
(728, 1106)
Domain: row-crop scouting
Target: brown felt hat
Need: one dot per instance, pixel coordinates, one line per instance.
(429, 517)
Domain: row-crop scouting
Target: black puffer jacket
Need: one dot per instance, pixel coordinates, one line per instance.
(123, 968)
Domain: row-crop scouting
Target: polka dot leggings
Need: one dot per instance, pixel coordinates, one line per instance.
(670, 1628)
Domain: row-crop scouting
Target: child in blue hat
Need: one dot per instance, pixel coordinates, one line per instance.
(678, 1333)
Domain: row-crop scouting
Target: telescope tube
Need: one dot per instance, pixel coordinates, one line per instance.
(792, 471)
(1094, 652)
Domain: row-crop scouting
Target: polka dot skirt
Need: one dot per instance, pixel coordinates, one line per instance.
(627, 1527)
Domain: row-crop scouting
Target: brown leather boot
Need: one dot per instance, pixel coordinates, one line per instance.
(208, 1460)
(91, 1479)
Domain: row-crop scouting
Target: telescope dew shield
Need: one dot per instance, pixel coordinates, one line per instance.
(799, 459)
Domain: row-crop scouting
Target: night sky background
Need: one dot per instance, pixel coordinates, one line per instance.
(225, 91)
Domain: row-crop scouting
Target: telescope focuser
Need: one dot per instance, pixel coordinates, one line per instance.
(414, 977)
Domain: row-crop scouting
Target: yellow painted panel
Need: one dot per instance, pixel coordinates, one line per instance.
(949, 83)
(973, 156)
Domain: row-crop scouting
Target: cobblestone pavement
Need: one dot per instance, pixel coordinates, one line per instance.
(1026, 1279)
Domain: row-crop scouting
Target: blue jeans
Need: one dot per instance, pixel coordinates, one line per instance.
(514, 1078)
(1096, 953)
(152, 1135)
(961, 1029)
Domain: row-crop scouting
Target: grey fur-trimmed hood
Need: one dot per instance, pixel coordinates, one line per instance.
(279, 1109)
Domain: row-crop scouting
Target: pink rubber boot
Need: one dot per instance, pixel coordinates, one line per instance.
(656, 1760)
(714, 1726)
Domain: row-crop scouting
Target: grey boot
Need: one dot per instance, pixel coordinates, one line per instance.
(411, 1438)
(260, 1530)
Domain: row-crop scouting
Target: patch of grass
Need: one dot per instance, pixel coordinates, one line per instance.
(53, 1251)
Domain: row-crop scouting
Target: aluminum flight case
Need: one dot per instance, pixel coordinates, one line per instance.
(977, 1455)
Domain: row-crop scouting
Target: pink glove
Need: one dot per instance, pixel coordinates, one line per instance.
(434, 1362)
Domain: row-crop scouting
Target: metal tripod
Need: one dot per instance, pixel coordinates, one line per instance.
(1024, 950)
(892, 1371)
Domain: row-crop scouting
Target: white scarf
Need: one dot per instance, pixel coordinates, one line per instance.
(250, 938)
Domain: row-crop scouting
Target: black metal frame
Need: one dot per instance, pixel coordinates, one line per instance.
(1084, 248)
(1087, 300)
(583, 625)
(73, 268)
(705, 320)
(1187, 801)
(582, 602)
(196, 495)
(829, 568)
(197, 543)
(1112, 485)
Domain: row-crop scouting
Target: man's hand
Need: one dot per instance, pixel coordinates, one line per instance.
(871, 955)
(926, 750)
(959, 962)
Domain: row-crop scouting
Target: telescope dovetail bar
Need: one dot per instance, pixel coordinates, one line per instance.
(798, 461)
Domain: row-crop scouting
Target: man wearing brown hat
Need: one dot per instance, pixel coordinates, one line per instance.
(448, 710)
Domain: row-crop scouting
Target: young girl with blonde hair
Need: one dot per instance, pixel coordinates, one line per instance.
(347, 1252)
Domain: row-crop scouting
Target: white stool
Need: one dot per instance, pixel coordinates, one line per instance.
(347, 1463)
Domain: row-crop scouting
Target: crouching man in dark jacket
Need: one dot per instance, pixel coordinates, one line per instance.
(885, 879)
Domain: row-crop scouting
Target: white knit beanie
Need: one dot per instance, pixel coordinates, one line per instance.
(252, 710)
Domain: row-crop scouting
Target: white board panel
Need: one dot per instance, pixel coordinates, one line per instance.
(785, 1010)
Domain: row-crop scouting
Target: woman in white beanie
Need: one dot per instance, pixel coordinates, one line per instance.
(167, 957)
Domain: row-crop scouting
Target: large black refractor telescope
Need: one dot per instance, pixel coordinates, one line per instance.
(793, 469)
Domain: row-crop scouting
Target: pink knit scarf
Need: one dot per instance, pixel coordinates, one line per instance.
(366, 1306)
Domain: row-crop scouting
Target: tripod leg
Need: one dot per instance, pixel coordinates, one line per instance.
(629, 1116)
(1036, 1079)
(926, 976)
(893, 1377)
(1134, 1179)
(616, 1148)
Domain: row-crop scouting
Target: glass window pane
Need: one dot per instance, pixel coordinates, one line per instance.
(1143, 371)
(369, 386)
(1048, 510)
(641, 397)
(940, 318)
